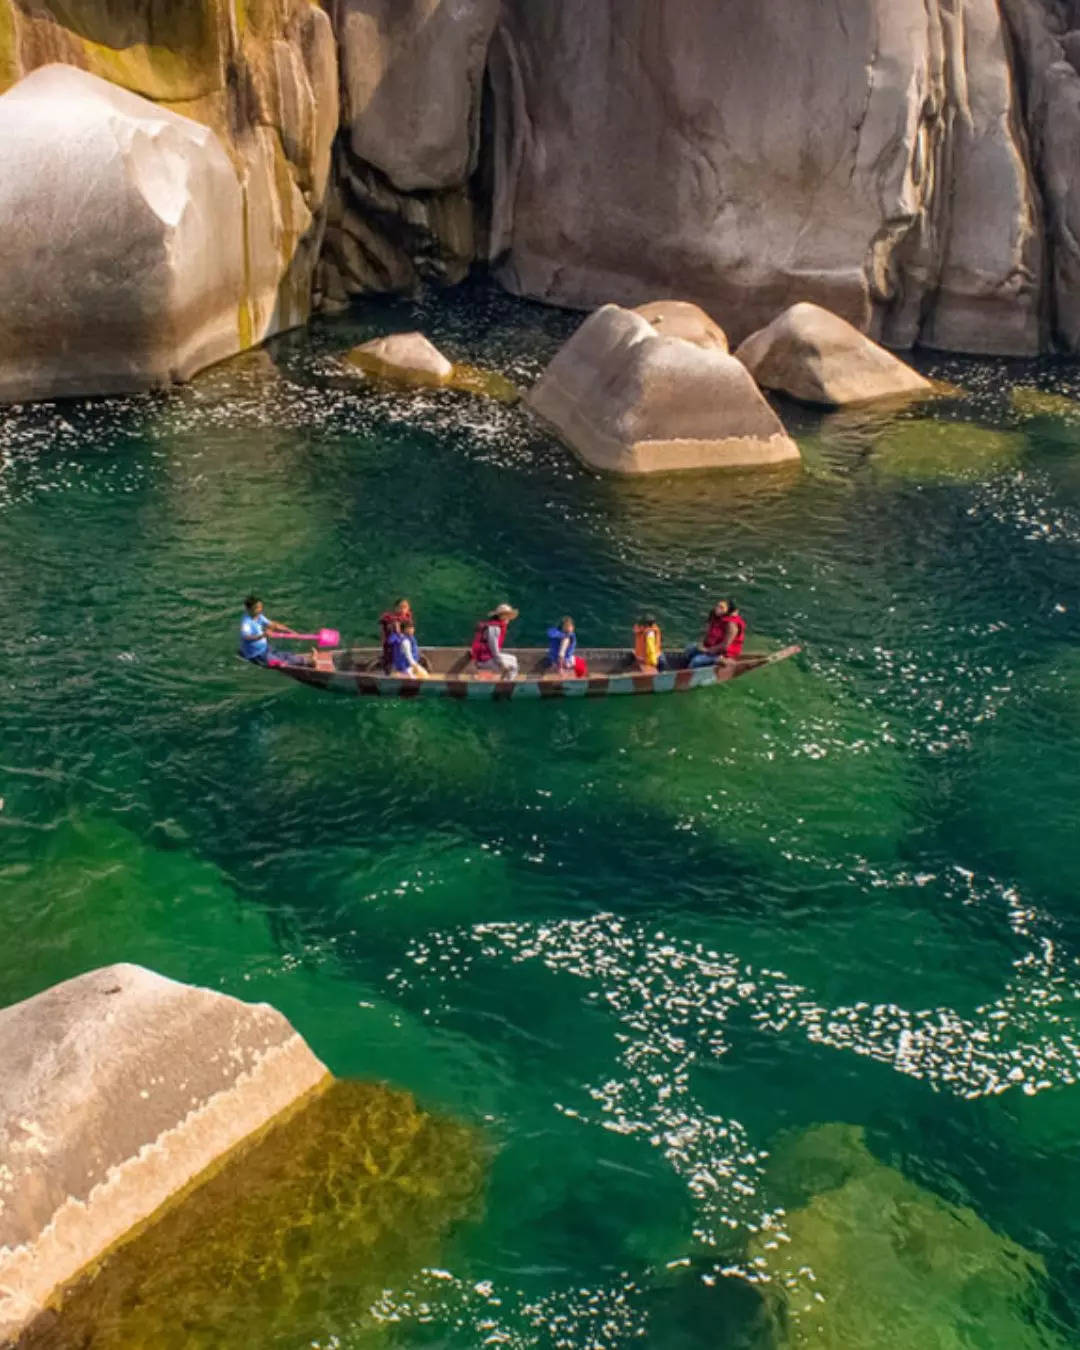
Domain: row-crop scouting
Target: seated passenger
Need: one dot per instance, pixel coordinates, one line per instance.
(391, 622)
(405, 655)
(488, 640)
(254, 644)
(723, 640)
(562, 648)
(648, 646)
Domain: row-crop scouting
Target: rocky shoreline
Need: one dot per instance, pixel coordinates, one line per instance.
(177, 190)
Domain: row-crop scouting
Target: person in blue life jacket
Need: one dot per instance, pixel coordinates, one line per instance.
(562, 658)
(254, 642)
(405, 656)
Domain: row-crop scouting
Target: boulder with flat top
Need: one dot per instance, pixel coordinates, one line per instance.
(814, 355)
(117, 1089)
(630, 397)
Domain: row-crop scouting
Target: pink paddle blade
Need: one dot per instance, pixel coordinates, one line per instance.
(325, 637)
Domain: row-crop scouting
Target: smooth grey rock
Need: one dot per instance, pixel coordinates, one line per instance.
(817, 357)
(121, 241)
(865, 155)
(629, 400)
(117, 1089)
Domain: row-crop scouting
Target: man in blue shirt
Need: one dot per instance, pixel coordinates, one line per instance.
(254, 626)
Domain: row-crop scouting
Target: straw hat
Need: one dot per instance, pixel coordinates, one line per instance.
(505, 611)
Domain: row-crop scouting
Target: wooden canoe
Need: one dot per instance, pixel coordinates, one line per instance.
(359, 671)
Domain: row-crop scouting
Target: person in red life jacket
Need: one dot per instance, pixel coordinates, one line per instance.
(489, 639)
(562, 658)
(725, 633)
(393, 622)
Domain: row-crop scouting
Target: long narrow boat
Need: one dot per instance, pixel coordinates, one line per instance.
(359, 671)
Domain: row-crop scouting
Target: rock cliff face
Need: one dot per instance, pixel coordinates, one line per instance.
(262, 74)
(866, 155)
(907, 164)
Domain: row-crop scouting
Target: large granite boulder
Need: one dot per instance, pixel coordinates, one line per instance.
(116, 1090)
(679, 318)
(121, 241)
(820, 358)
(263, 77)
(867, 155)
(629, 399)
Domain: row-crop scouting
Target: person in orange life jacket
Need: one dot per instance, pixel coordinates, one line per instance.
(562, 649)
(724, 637)
(488, 640)
(405, 658)
(649, 646)
(391, 622)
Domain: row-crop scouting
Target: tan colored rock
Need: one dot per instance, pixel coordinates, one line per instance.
(405, 358)
(117, 1089)
(628, 399)
(262, 76)
(121, 241)
(867, 155)
(679, 318)
(817, 357)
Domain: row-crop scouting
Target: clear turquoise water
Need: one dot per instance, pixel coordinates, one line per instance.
(638, 943)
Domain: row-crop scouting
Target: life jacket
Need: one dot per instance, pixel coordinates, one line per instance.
(714, 634)
(480, 651)
(735, 646)
(555, 641)
(648, 643)
(387, 623)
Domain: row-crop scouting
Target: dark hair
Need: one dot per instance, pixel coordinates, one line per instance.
(399, 603)
(251, 602)
(647, 621)
(732, 606)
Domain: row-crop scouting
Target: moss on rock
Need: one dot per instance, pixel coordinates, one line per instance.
(291, 1240)
(872, 1259)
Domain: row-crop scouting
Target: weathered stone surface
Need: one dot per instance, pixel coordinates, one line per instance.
(866, 156)
(820, 358)
(678, 318)
(408, 358)
(412, 74)
(262, 76)
(121, 241)
(117, 1089)
(628, 399)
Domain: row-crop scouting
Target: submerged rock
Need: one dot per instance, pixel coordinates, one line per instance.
(629, 399)
(118, 1089)
(292, 1239)
(817, 357)
(872, 1259)
(406, 358)
(928, 451)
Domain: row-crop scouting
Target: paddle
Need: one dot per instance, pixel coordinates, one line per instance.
(325, 637)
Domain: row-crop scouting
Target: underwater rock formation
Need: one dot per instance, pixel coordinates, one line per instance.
(817, 357)
(262, 77)
(871, 1258)
(118, 1089)
(630, 399)
(294, 1237)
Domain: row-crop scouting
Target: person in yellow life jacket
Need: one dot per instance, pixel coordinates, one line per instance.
(648, 645)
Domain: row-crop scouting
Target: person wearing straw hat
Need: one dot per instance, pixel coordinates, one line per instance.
(489, 639)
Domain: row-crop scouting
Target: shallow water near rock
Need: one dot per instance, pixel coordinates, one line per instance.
(638, 945)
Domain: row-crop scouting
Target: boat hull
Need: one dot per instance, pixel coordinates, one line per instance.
(362, 677)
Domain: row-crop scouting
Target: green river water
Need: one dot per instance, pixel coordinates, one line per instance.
(759, 1009)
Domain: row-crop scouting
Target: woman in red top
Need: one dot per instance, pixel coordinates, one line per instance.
(724, 636)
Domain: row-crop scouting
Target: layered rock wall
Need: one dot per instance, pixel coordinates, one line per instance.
(262, 74)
